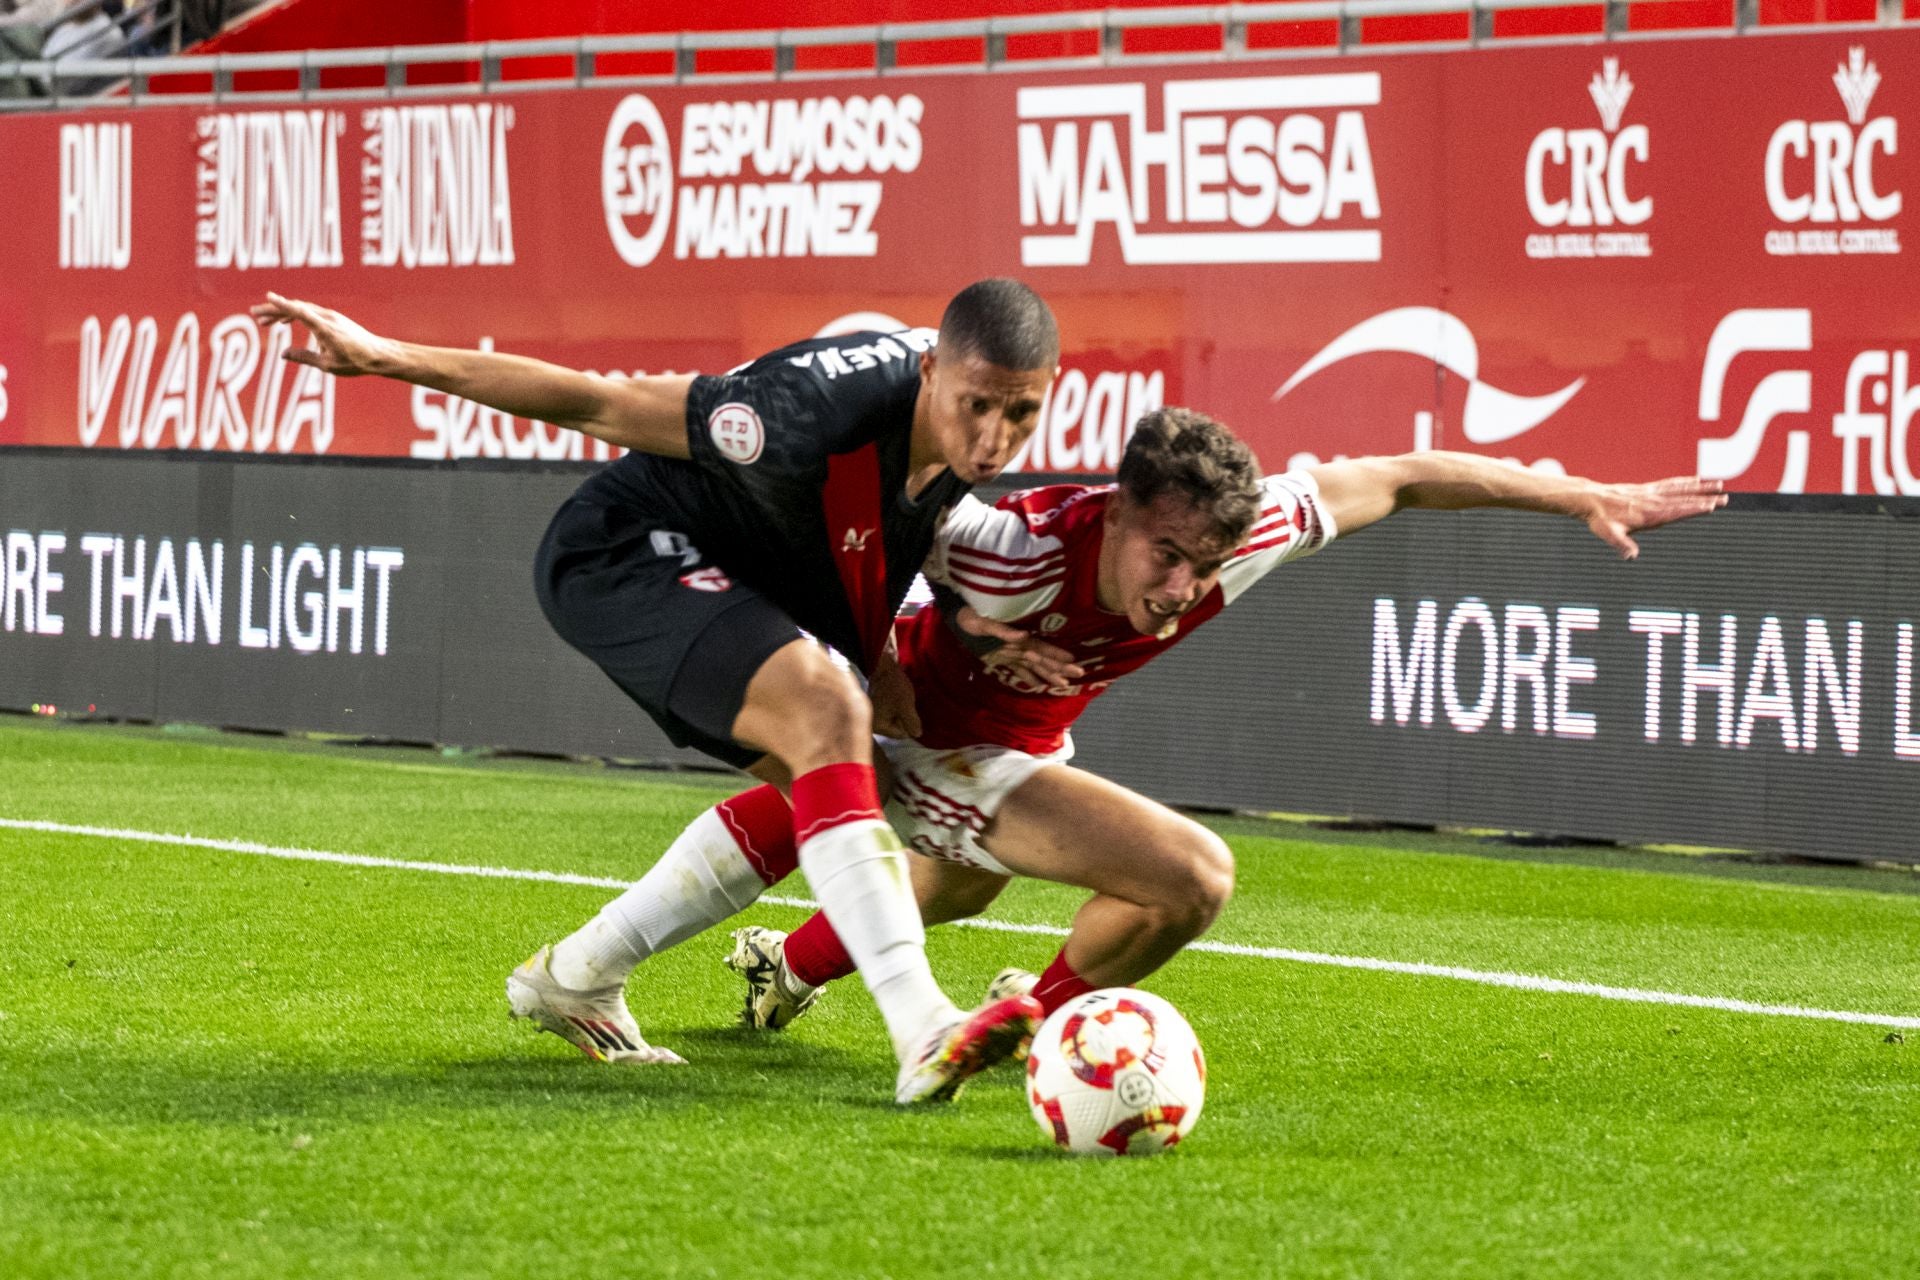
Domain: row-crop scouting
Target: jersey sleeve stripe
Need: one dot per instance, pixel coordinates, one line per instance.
(1254, 548)
(990, 559)
(1272, 518)
(1291, 524)
(1006, 589)
(997, 574)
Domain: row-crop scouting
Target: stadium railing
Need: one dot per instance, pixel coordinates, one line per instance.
(490, 66)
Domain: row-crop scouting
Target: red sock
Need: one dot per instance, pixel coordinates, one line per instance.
(762, 825)
(831, 795)
(814, 952)
(1059, 984)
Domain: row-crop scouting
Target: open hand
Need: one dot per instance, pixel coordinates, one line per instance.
(340, 346)
(1049, 665)
(1622, 510)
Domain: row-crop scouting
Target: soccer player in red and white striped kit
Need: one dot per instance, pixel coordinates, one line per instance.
(1042, 601)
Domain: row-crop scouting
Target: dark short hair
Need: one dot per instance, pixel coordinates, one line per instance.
(1004, 323)
(1186, 452)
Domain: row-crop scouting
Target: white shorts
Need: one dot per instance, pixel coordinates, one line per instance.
(943, 799)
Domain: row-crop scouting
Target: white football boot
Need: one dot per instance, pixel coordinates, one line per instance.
(950, 1055)
(1012, 982)
(774, 996)
(595, 1022)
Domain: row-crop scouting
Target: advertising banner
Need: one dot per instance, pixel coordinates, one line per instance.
(393, 602)
(1748, 682)
(1622, 260)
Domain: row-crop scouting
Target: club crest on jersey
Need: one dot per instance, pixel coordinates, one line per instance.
(708, 579)
(957, 763)
(737, 432)
(1053, 622)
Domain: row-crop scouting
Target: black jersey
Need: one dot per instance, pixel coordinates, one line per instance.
(797, 484)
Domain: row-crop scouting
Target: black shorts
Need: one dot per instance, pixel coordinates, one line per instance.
(670, 628)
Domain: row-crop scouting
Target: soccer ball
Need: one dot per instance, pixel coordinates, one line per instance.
(1116, 1073)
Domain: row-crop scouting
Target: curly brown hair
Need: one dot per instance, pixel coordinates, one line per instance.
(1188, 452)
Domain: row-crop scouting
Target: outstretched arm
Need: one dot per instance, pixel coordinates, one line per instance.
(648, 414)
(1360, 491)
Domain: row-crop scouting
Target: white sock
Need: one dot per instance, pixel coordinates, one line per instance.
(860, 877)
(702, 879)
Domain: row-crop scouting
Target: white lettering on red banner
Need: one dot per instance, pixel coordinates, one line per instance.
(1578, 178)
(1874, 426)
(268, 189)
(1820, 174)
(1234, 158)
(435, 188)
(249, 399)
(1088, 417)
(96, 195)
(788, 141)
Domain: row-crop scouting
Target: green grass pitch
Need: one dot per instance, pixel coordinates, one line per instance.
(225, 1065)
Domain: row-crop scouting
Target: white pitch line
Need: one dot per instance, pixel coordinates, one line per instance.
(1484, 977)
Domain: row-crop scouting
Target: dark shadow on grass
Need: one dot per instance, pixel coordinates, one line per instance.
(566, 1085)
(1762, 868)
(733, 1037)
(1037, 1154)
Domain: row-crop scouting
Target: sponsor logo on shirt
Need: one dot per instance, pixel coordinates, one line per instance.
(706, 580)
(737, 432)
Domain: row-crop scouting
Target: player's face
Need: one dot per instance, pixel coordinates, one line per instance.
(977, 414)
(1157, 559)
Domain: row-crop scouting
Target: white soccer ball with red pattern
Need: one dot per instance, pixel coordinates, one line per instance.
(1116, 1073)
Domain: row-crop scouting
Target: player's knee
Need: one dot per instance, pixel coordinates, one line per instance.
(1213, 875)
(819, 711)
(1200, 884)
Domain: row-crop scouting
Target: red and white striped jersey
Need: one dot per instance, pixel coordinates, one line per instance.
(1033, 560)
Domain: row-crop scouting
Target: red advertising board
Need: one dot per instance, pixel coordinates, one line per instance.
(1625, 260)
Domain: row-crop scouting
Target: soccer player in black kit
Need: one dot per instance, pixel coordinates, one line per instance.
(802, 490)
